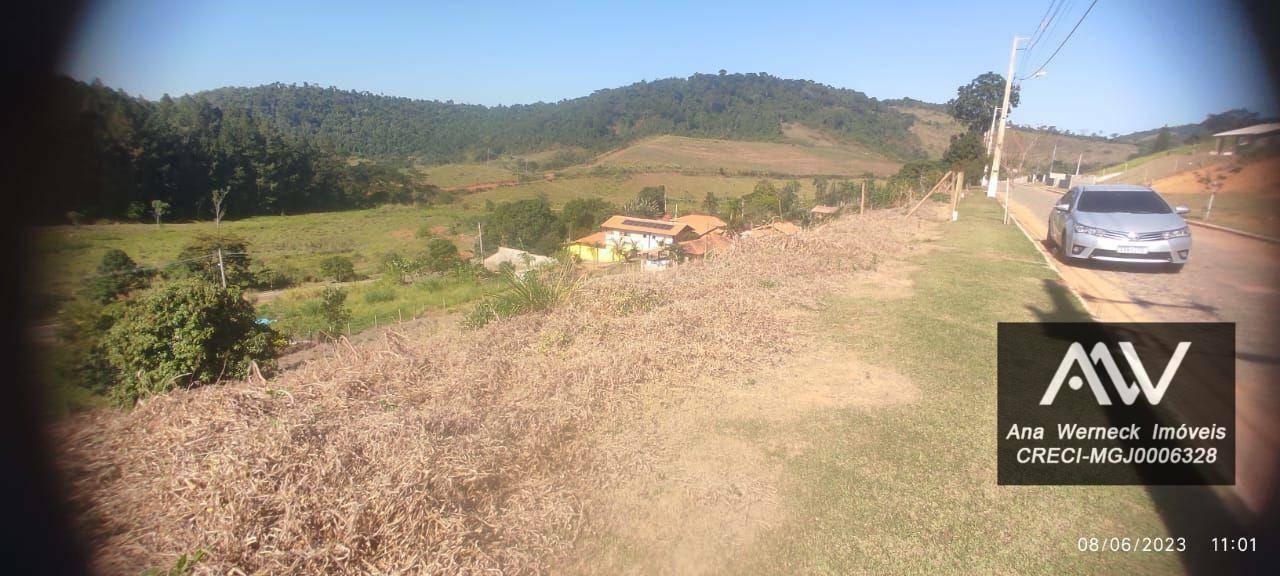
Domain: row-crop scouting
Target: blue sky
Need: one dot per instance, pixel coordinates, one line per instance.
(1132, 65)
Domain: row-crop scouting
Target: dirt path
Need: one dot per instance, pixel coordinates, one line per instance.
(1229, 278)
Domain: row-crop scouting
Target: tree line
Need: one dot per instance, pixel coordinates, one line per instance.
(107, 154)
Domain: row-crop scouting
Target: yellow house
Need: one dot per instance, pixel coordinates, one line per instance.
(592, 248)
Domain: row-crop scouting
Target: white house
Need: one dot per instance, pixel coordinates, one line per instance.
(645, 237)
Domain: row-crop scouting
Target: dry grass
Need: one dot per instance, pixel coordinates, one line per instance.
(456, 452)
(682, 153)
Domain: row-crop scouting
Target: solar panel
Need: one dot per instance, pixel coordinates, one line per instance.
(641, 224)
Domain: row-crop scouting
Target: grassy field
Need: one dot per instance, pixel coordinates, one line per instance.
(933, 128)
(619, 189)
(372, 304)
(911, 487)
(294, 245)
(702, 154)
(450, 175)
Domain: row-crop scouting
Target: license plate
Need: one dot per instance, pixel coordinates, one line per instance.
(1132, 250)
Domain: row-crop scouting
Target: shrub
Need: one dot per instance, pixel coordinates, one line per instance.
(533, 291)
(189, 332)
(425, 230)
(271, 278)
(398, 268)
(199, 258)
(333, 308)
(76, 217)
(338, 268)
(136, 211)
(441, 255)
(117, 275)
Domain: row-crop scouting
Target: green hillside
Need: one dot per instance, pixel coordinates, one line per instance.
(727, 106)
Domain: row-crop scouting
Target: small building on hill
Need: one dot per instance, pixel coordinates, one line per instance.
(710, 243)
(1245, 139)
(824, 211)
(519, 260)
(783, 228)
(703, 224)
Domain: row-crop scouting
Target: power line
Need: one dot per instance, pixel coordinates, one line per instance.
(1044, 20)
(1050, 28)
(1064, 41)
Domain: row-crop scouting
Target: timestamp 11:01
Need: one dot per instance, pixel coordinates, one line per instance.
(1235, 544)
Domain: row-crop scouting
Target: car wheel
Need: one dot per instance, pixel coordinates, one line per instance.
(1060, 249)
(1048, 235)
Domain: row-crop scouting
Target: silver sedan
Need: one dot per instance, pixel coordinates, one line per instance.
(1119, 223)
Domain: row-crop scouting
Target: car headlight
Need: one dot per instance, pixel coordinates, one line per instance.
(1090, 230)
(1179, 233)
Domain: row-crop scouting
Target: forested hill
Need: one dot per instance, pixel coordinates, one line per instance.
(730, 106)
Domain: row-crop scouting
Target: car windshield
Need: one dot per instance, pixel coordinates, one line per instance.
(1134, 202)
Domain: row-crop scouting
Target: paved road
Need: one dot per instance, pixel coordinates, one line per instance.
(1229, 278)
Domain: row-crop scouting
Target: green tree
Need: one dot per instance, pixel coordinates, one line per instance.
(527, 224)
(441, 255)
(975, 101)
(117, 274)
(650, 202)
(333, 309)
(1163, 141)
(199, 257)
(158, 209)
(580, 216)
(338, 268)
(710, 204)
(186, 333)
(966, 153)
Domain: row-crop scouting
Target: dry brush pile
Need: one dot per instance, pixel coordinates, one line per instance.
(455, 452)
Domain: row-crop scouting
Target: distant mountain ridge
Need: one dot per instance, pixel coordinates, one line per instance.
(728, 106)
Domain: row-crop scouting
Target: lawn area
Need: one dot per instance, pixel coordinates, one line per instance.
(910, 487)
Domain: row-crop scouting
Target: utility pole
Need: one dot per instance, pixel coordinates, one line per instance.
(1004, 119)
(1078, 160)
(480, 236)
(991, 132)
(1053, 158)
(862, 201)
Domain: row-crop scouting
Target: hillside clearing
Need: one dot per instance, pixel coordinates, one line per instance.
(681, 153)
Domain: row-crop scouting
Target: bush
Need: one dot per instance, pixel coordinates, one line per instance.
(271, 278)
(76, 217)
(534, 291)
(117, 275)
(441, 255)
(338, 269)
(399, 268)
(425, 230)
(333, 308)
(188, 332)
(199, 258)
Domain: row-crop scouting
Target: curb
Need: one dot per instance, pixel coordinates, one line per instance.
(1052, 263)
(1270, 239)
